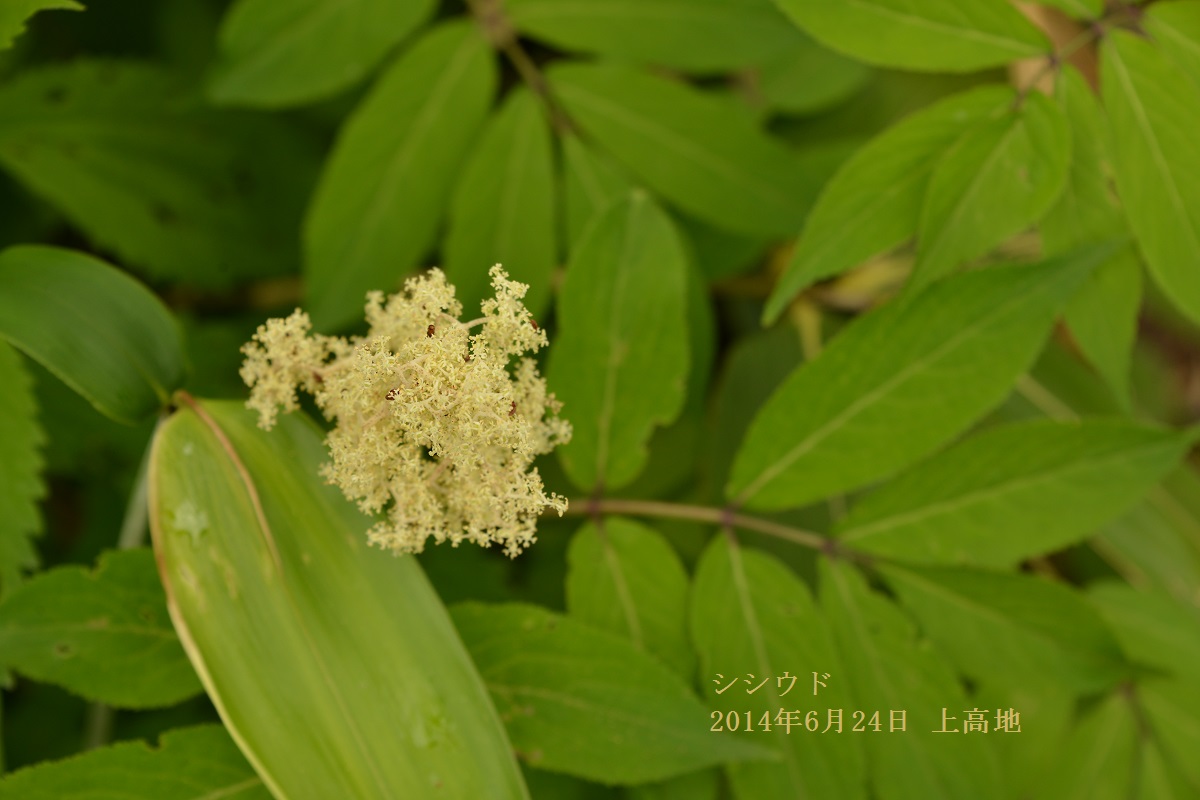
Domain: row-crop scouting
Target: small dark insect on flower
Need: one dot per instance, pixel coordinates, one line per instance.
(512, 409)
(429, 331)
(393, 394)
(533, 322)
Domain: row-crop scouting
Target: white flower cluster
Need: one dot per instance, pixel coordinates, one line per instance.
(433, 424)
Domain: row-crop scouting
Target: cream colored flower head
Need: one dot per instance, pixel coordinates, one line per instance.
(436, 421)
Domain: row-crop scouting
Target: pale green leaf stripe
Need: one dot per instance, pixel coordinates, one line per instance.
(688, 147)
(625, 578)
(1012, 629)
(377, 207)
(994, 182)
(15, 13)
(200, 763)
(921, 34)
(1014, 492)
(503, 211)
(886, 668)
(706, 35)
(751, 616)
(900, 381)
(90, 631)
(275, 54)
(21, 484)
(1153, 116)
(264, 565)
(621, 360)
(586, 702)
(100, 331)
(873, 202)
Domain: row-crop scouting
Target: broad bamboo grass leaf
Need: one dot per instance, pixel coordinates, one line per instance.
(809, 79)
(750, 616)
(921, 34)
(1015, 491)
(589, 703)
(334, 666)
(998, 179)
(275, 54)
(100, 331)
(503, 210)
(873, 202)
(21, 485)
(901, 381)
(16, 13)
(101, 634)
(200, 763)
(687, 146)
(625, 578)
(621, 361)
(1012, 629)
(703, 785)
(706, 36)
(887, 667)
(1103, 316)
(131, 156)
(1153, 115)
(389, 178)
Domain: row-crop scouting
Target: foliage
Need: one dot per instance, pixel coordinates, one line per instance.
(873, 326)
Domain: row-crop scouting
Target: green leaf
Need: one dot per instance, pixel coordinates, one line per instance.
(688, 147)
(132, 158)
(102, 634)
(807, 79)
(753, 619)
(21, 486)
(625, 578)
(14, 15)
(591, 183)
(1152, 115)
(1011, 628)
(334, 666)
(189, 764)
(997, 180)
(693, 786)
(1080, 9)
(1103, 315)
(886, 669)
(1160, 537)
(379, 201)
(863, 409)
(873, 202)
(921, 34)
(1014, 491)
(620, 363)
(121, 350)
(503, 209)
(704, 35)
(276, 53)
(588, 703)
(1153, 628)
(1096, 759)
(1175, 28)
